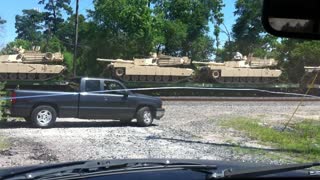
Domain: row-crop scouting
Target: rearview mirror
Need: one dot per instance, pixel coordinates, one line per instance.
(292, 18)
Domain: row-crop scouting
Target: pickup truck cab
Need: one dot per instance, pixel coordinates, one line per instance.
(91, 98)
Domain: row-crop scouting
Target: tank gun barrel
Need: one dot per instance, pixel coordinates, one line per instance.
(311, 68)
(114, 60)
(207, 63)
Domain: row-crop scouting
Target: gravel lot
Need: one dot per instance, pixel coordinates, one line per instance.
(189, 130)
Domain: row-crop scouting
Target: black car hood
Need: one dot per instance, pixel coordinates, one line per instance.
(221, 165)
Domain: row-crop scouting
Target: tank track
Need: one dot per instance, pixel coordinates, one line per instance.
(245, 80)
(158, 79)
(27, 77)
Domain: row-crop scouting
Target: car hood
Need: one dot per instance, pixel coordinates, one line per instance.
(221, 165)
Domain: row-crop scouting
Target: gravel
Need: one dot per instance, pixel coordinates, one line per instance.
(189, 130)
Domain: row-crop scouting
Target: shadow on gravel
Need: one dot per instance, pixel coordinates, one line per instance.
(67, 124)
(222, 144)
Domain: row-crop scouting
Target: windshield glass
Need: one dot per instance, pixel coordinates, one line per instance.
(205, 79)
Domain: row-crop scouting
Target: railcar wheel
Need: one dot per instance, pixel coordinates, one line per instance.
(22, 76)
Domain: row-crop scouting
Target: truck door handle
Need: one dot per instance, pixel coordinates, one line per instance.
(105, 98)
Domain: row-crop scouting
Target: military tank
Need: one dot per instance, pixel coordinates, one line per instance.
(311, 72)
(242, 70)
(30, 65)
(160, 68)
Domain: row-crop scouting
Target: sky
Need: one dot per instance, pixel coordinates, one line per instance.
(10, 8)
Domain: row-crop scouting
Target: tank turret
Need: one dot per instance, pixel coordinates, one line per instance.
(34, 56)
(30, 65)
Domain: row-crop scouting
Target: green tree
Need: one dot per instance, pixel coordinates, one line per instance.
(29, 26)
(248, 28)
(118, 29)
(248, 34)
(16, 43)
(186, 23)
(295, 54)
(53, 14)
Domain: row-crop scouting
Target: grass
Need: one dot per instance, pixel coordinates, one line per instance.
(301, 142)
(3, 144)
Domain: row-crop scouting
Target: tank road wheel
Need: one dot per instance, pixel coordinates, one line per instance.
(31, 76)
(250, 80)
(257, 80)
(3, 76)
(215, 74)
(13, 76)
(175, 78)
(165, 79)
(236, 79)
(265, 80)
(150, 78)
(119, 72)
(228, 79)
(42, 76)
(158, 78)
(143, 78)
(135, 78)
(220, 80)
(22, 76)
(126, 78)
(243, 79)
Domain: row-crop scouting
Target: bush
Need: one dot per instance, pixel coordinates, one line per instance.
(2, 102)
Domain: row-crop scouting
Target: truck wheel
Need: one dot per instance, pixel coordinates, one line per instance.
(43, 116)
(144, 117)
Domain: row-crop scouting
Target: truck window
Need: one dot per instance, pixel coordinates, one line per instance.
(92, 85)
(113, 87)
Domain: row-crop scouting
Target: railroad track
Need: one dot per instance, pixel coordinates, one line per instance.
(201, 98)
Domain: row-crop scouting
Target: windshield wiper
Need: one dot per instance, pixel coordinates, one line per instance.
(108, 167)
(261, 171)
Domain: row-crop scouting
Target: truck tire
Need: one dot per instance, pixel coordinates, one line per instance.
(43, 116)
(144, 117)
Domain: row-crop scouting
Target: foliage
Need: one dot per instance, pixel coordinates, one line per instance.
(186, 24)
(17, 43)
(68, 61)
(248, 34)
(295, 54)
(29, 26)
(2, 102)
(54, 45)
(53, 14)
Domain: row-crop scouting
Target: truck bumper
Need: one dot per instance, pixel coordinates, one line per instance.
(159, 113)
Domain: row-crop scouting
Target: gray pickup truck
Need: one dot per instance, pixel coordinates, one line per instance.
(91, 98)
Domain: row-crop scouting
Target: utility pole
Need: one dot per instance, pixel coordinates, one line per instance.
(76, 41)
